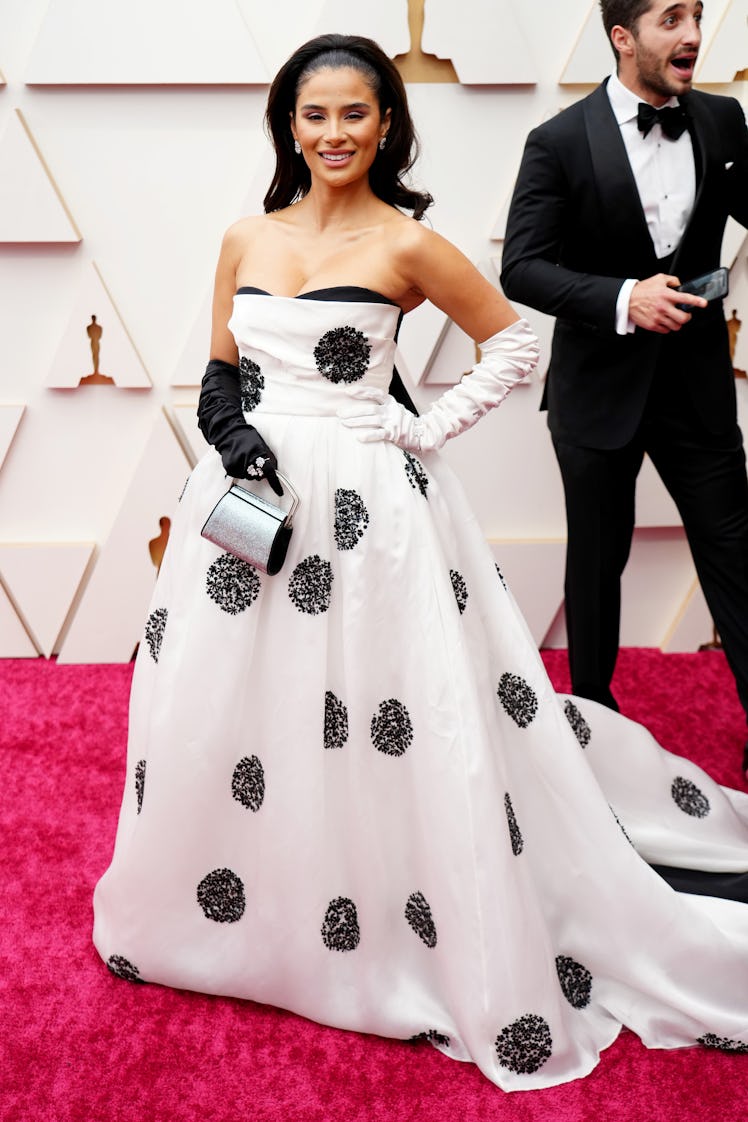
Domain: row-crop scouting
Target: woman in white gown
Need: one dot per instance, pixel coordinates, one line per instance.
(351, 790)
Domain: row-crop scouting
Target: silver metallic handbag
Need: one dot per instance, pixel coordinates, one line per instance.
(251, 527)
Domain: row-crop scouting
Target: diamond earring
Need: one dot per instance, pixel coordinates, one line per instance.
(297, 147)
(382, 143)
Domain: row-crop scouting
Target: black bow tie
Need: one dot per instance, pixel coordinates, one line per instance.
(672, 120)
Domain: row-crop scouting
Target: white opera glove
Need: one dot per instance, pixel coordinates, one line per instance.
(507, 359)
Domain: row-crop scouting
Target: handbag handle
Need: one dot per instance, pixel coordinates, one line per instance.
(287, 486)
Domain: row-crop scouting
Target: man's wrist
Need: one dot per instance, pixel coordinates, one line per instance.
(624, 324)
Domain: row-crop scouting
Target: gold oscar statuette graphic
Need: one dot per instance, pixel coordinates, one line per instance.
(417, 66)
(734, 324)
(157, 545)
(94, 331)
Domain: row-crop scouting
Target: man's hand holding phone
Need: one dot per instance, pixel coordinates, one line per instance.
(657, 304)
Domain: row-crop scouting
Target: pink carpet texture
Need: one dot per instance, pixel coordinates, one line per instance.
(79, 1045)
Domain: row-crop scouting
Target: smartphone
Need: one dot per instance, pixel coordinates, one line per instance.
(712, 286)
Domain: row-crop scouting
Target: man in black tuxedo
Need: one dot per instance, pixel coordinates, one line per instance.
(613, 207)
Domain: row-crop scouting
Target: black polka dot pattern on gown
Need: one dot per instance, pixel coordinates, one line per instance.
(575, 981)
(518, 699)
(342, 355)
(232, 584)
(351, 518)
(688, 797)
(221, 896)
(123, 968)
(139, 783)
(418, 915)
(723, 1044)
(579, 726)
(515, 835)
(431, 1036)
(525, 1045)
(251, 384)
(459, 588)
(417, 477)
(154, 631)
(335, 732)
(310, 585)
(340, 930)
(248, 783)
(392, 728)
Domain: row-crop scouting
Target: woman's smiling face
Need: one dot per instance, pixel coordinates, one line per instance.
(338, 123)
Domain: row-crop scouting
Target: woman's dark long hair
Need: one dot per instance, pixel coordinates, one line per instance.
(292, 178)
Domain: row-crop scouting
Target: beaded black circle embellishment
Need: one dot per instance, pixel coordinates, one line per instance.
(140, 783)
(251, 384)
(336, 722)
(518, 699)
(123, 968)
(248, 783)
(525, 1045)
(417, 477)
(418, 915)
(310, 585)
(342, 355)
(575, 980)
(723, 1044)
(392, 728)
(221, 896)
(579, 726)
(154, 631)
(515, 835)
(340, 930)
(688, 797)
(351, 518)
(232, 584)
(431, 1036)
(459, 588)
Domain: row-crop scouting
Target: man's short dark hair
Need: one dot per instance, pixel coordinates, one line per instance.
(623, 13)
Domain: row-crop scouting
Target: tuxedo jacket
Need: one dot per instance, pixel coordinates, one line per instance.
(576, 230)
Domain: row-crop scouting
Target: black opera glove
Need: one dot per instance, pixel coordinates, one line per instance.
(221, 421)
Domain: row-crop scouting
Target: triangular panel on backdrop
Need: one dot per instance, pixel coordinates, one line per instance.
(726, 52)
(591, 57)
(14, 639)
(276, 39)
(42, 580)
(185, 420)
(534, 573)
(734, 243)
(194, 356)
(96, 346)
(499, 228)
(173, 42)
(494, 52)
(10, 418)
(110, 617)
(420, 336)
(692, 626)
(31, 206)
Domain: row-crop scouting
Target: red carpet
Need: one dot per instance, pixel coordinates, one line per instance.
(79, 1045)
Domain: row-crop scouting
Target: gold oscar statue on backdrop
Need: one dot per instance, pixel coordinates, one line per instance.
(157, 545)
(417, 66)
(734, 324)
(94, 331)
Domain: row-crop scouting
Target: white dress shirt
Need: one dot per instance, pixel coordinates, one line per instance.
(665, 179)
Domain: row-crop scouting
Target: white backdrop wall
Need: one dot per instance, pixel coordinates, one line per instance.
(130, 137)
